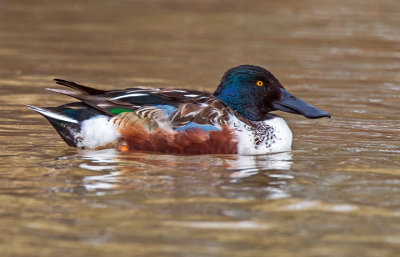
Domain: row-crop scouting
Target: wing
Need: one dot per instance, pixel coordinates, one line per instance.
(115, 102)
(185, 109)
(210, 115)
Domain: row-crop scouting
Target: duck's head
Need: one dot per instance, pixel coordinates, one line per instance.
(253, 92)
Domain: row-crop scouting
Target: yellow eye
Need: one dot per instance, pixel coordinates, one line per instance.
(260, 83)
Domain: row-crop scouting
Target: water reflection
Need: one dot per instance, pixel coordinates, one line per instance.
(130, 170)
(103, 160)
(250, 165)
(106, 159)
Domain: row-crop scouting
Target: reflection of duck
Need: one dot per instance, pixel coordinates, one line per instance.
(112, 171)
(235, 119)
(247, 165)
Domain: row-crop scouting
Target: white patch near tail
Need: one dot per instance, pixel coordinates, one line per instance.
(51, 114)
(98, 131)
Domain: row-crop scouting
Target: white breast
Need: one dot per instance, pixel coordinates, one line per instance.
(273, 135)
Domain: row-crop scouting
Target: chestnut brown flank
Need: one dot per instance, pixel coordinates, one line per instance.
(190, 141)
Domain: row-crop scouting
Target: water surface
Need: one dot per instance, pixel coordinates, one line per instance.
(335, 194)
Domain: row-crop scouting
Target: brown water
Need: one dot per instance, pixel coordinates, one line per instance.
(336, 194)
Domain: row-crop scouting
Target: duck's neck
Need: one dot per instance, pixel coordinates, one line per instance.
(242, 102)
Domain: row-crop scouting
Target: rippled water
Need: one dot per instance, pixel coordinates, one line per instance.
(336, 194)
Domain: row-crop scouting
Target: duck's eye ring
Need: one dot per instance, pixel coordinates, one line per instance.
(260, 83)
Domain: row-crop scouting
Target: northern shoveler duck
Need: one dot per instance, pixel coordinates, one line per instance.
(235, 119)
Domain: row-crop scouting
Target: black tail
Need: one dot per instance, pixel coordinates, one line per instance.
(67, 119)
(67, 127)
